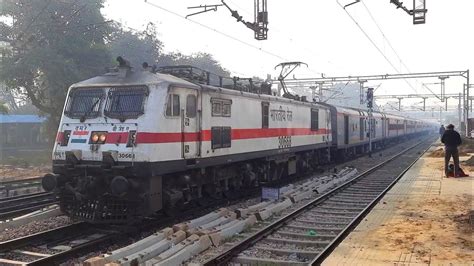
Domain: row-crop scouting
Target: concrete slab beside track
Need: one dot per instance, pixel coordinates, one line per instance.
(422, 220)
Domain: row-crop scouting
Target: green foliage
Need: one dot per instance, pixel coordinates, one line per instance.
(202, 60)
(139, 47)
(3, 108)
(136, 47)
(52, 44)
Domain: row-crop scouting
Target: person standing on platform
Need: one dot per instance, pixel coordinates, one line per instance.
(441, 131)
(451, 140)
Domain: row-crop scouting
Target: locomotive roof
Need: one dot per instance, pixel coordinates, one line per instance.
(143, 77)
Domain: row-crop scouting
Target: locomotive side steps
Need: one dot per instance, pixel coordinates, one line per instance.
(281, 242)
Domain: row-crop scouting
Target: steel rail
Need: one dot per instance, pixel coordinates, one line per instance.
(35, 180)
(251, 240)
(56, 236)
(18, 212)
(30, 239)
(346, 231)
(23, 199)
(19, 205)
(20, 183)
(19, 197)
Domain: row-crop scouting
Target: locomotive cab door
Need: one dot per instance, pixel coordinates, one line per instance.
(190, 124)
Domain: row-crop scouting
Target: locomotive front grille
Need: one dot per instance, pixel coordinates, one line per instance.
(105, 209)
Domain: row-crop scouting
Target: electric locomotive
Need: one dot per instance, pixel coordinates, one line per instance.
(134, 142)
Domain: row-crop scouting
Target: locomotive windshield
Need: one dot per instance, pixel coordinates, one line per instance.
(84, 103)
(126, 103)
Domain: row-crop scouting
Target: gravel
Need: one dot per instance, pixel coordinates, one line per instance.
(34, 227)
(363, 163)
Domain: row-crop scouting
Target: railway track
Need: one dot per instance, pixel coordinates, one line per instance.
(18, 205)
(308, 234)
(54, 246)
(7, 186)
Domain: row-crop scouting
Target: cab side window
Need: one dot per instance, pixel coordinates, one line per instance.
(315, 120)
(172, 107)
(265, 114)
(191, 106)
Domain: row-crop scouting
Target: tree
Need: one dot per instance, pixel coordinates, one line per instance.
(139, 47)
(3, 108)
(201, 60)
(51, 45)
(136, 47)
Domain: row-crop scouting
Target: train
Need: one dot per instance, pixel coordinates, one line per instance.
(133, 143)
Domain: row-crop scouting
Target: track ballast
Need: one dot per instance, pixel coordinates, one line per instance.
(310, 233)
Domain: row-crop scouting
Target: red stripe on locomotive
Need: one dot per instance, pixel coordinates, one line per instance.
(253, 133)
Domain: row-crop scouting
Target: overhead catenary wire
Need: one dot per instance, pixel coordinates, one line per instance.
(288, 35)
(390, 43)
(374, 44)
(216, 31)
(223, 34)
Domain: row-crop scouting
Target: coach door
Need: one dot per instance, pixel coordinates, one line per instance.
(190, 124)
(346, 130)
(384, 133)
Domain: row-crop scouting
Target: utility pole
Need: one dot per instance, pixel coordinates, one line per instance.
(463, 124)
(459, 110)
(424, 103)
(361, 91)
(313, 93)
(467, 104)
(443, 86)
(320, 85)
(400, 103)
(370, 106)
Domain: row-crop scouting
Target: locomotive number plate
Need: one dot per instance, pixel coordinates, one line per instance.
(126, 155)
(284, 142)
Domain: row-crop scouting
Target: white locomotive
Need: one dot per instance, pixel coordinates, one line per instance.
(131, 143)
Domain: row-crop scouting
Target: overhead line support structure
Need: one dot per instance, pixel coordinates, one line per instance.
(362, 79)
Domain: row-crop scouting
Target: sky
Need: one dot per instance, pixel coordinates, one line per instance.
(321, 34)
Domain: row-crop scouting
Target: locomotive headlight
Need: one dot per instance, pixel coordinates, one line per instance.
(98, 137)
(95, 137)
(102, 137)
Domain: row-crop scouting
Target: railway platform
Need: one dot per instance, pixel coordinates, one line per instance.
(422, 220)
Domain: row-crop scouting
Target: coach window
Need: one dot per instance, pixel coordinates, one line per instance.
(226, 137)
(216, 108)
(265, 112)
(226, 108)
(314, 119)
(191, 106)
(221, 107)
(172, 107)
(221, 137)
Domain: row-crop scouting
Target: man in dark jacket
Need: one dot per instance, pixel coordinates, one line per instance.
(451, 140)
